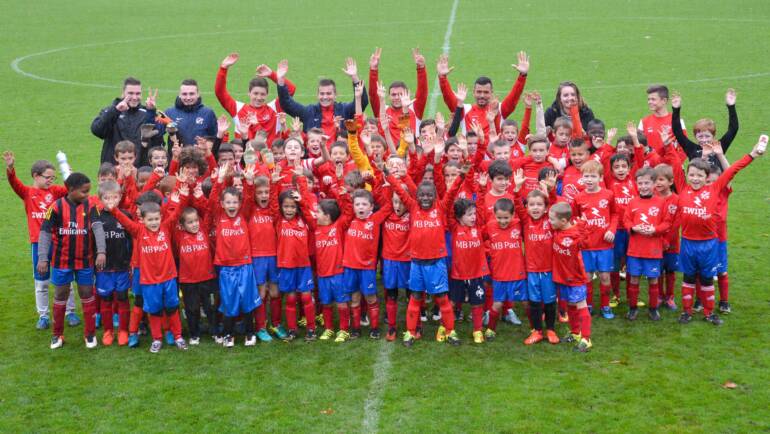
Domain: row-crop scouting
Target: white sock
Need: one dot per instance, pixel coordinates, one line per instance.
(41, 297)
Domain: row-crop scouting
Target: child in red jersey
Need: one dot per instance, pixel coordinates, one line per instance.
(698, 203)
(572, 178)
(659, 118)
(395, 257)
(67, 231)
(238, 292)
(648, 220)
(37, 198)
(569, 273)
(533, 163)
(664, 179)
(158, 274)
(427, 248)
(597, 205)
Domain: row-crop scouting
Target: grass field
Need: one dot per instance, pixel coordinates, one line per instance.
(65, 60)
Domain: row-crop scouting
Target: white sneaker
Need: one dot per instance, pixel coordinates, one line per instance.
(250, 341)
(423, 318)
(512, 318)
(436, 317)
(365, 321)
(229, 341)
(156, 346)
(219, 340)
(194, 341)
(57, 342)
(91, 342)
(181, 344)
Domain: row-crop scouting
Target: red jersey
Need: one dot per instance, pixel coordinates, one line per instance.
(362, 239)
(232, 242)
(598, 208)
(531, 170)
(469, 260)
(651, 125)
(721, 213)
(395, 237)
(328, 249)
(415, 112)
(568, 268)
(490, 200)
(622, 192)
(194, 254)
(36, 202)
(537, 241)
(71, 237)
(671, 237)
(698, 207)
(648, 211)
(505, 251)
(262, 232)
(571, 184)
(561, 153)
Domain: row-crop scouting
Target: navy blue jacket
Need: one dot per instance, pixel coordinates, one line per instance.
(311, 114)
(192, 121)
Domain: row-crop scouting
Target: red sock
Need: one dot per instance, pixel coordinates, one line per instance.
(632, 292)
(123, 314)
(493, 317)
(585, 322)
(413, 314)
(59, 310)
(374, 315)
(489, 296)
(688, 290)
(574, 320)
(724, 286)
(275, 310)
(328, 315)
(356, 317)
(106, 311)
(156, 328)
(291, 311)
(708, 299)
(344, 312)
(136, 318)
(478, 317)
(590, 292)
(309, 308)
(670, 282)
(654, 292)
(604, 294)
(507, 305)
(89, 313)
(615, 283)
(447, 313)
(164, 322)
(97, 305)
(175, 324)
(391, 310)
(260, 316)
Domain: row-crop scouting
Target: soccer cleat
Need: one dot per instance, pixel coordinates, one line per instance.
(364, 320)
(219, 339)
(279, 332)
(156, 346)
(423, 316)
(724, 307)
(485, 320)
(552, 338)
(490, 334)
(228, 341)
(436, 317)
(250, 341)
(571, 338)
(713, 319)
(98, 321)
(122, 338)
(607, 313)
(697, 306)
(355, 333)
(310, 336)
(342, 336)
(73, 320)
(441, 334)
(583, 346)
(670, 303)
(685, 318)
(169, 338)
(374, 334)
(43, 323)
(180, 344)
(91, 342)
(302, 322)
(452, 338)
(391, 336)
(319, 320)
(614, 301)
(115, 320)
(57, 342)
(478, 337)
(563, 317)
(654, 314)
(511, 317)
(632, 313)
(264, 336)
(290, 336)
(535, 337)
(408, 339)
(195, 341)
(133, 340)
(107, 338)
(326, 335)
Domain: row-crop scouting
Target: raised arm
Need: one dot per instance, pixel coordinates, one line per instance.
(732, 126)
(509, 103)
(443, 69)
(220, 85)
(421, 96)
(690, 147)
(374, 78)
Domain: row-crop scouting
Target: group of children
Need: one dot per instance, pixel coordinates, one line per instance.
(473, 210)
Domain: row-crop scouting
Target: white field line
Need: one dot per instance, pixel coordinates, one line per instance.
(444, 49)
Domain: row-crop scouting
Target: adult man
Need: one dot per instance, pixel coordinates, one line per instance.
(123, 119)
(323, 115)
(192, 118)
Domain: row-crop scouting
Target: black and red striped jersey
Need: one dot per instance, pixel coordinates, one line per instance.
(71, 237)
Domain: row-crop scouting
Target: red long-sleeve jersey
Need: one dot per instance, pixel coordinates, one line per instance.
(568, 268)
(648, 211)
(195, 255)
(598, 208)
(505, 250)
(36, 202)
(416, 112)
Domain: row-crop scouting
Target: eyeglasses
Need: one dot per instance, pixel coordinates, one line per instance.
(49, 178)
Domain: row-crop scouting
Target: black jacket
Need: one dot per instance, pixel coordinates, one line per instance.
(113, 126)
(554, 111)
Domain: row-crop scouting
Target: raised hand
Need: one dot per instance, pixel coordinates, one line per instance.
(631, 129)
(223, 124)
(440, 123)
(518, 178)
(442, 67)
(493, 108)
(730, 96)
(419, 59)
(229, 60)
(676, 99)
(296, 125)
(537, 98)
(461, 93)
(282, 69)
(198, 190)
(483, 179)
(374, 59)
(408, 136)
(264, 71)
(760, 147)
(161, 172)
(611, 134)
(122, 105)
(406, 100)
(151, 98)
(358, 89)
(9, 159)
(528, 99)
(523, 65)
(382, 91)
(665, 134)
(351, 69)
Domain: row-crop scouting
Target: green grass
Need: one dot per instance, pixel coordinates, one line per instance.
(641, 377)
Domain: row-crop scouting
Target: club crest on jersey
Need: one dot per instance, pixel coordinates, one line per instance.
(237, 221)
(566, 242)
(653, 211)
(49, 197)
(474, 233)
(546, 224)
(515, 233)
(161, 236)
(200, 236)
(433, 214)
(199, 121)
(333, 232)
(369, 226)
(301, 224)
(672, 209)
(603, 203)
(705, 195)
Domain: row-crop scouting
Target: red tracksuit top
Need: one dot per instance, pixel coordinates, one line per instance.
(568, 268)
(647, 211)
(598, 208)
(36, 202)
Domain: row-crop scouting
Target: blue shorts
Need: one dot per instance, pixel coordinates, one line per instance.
(573, 294)
(395, 274)
(621, 246)
(515, 290)
(237, 291)
(265, 269)
(160, 296)
(599, 260)
(363, 281)
(428, 276)
(37, 275)
(470, 291)
(642, 267)
(108, 282)
(699, 257)
(136, 288)
(65, 276)
(297, 279)
(540, 287)
(670, 262)
(331, 289)
(722, 266)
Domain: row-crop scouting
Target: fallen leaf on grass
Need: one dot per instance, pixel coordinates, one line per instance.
(618, 362)
(327, 411)
(729, 385)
